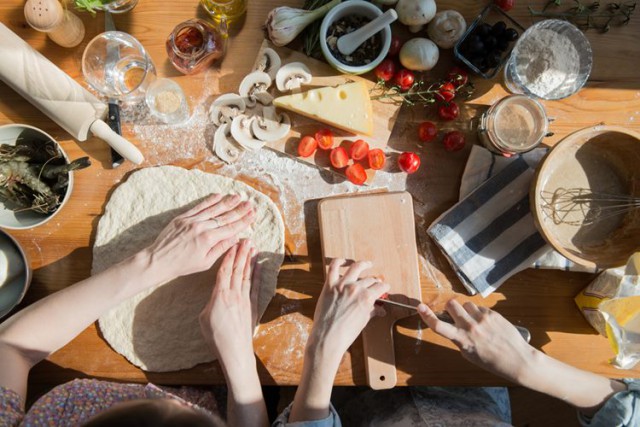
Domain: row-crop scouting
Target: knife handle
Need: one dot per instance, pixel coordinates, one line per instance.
(113, 120)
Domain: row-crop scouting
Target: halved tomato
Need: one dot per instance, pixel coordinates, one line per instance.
(356, 174)
(325, 139)
(307, 146)
(377, 159)
(339, 157)
(359, 150)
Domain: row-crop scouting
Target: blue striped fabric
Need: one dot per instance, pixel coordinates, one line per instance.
(490, 235)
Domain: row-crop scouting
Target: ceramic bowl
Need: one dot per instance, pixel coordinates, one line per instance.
(15, 274)
(353, 7)
(569, 191)
(10, 134)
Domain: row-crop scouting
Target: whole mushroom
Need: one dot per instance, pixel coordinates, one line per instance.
(415, 13)
(419, 54)
(446, 28)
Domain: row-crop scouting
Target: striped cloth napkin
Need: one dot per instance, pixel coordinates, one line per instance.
(490, 235)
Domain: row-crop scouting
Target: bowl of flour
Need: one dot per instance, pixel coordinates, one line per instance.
(551, 60)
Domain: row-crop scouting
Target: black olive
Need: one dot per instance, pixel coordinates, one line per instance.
(510, 34)
(479, 62)
(502, 45)
(476, 46)
(498, 28)
(493, 59)
(490, 42)
(483, 29)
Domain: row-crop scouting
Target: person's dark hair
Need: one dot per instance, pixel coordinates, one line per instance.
(154, 413)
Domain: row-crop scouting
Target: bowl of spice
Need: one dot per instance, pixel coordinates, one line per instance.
(346, 18)
(551, 60)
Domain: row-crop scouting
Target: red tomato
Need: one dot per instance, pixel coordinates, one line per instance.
(307, 146)
(404, 78)
(409, 162)
(448, 111)
(324, 138)
(339, 157)
(427, 131)
(453, 141)
(505, 5)
(396, 45)
(359, 150)
(356, 174)
(386, 70)
(446, 92)
(377, 159)
(458, 76)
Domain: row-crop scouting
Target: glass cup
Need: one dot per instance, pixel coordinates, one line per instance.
(225, 12)
(120, 6)
(167, 102)
(117, 66)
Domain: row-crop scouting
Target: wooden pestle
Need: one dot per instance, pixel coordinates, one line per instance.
(62, 26)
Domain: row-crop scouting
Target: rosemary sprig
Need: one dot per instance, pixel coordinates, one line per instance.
(588, 16)
(311, 34)
(420, 93)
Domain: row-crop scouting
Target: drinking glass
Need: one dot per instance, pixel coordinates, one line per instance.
(120, 6)
(117, 66)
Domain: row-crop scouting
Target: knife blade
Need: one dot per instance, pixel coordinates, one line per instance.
(445, 317)
(113, 117)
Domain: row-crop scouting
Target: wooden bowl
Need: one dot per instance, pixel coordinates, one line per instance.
(600, 159)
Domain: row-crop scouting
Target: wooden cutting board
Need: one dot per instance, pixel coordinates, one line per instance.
(384, 113)
(378, 228)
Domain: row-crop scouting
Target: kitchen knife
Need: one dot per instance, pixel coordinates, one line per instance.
(445, 317)
(56, 94)
(113, 115)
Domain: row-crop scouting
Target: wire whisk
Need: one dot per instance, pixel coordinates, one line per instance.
(581, 206)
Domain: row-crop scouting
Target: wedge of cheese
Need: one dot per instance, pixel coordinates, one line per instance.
(347, 107)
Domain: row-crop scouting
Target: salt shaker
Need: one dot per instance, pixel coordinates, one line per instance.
(194, 45)
(62, 26)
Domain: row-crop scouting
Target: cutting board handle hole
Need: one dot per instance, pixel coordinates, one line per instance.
(382, 378)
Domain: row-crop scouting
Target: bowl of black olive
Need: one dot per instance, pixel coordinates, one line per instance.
(344, 19)
(488, 42)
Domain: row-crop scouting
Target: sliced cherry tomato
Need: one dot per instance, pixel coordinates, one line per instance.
(427, 131)
(339, 157)
(409, 162)
(505, 5)
(446, 92)
(386, 70)
(356, 174)
(307, 146)
(404, 78)
(377, 159)
(396, 45)
(325, 139)
(448, 111)
(453, 141)
(458, 76)
(359, 149)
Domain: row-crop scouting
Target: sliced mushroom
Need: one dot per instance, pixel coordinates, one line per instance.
(271, 126)
(253, 84)
(225, 108)
(292, 75)
(269, 62)
(223, 146)
(241, 132)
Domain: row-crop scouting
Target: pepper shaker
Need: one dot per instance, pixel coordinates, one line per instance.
(48, 16)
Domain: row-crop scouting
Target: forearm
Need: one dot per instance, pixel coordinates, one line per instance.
(313, 397)
(584, 390)
(245, 402)
(47, 325)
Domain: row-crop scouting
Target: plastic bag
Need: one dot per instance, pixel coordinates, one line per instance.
(611, 304)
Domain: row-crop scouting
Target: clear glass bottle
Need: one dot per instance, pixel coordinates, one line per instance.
(194, 44)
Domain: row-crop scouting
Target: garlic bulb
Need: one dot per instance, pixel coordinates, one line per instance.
(285, 23)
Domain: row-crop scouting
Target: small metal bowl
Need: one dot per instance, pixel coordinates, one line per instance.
(489, 15)
(15, 274)
(353, 7)
(22, 220)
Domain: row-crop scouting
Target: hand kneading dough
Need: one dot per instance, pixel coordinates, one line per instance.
(158, 329)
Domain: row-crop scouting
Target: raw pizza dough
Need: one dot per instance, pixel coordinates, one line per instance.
(158, 329)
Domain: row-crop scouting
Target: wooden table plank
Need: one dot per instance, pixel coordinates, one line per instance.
(60, 251)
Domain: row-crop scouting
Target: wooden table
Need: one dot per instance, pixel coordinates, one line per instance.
(60, 251)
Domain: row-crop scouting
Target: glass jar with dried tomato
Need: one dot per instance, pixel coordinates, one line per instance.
(194, 44)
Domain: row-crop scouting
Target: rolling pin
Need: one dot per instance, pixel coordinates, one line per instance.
(57, 95)
(48, 16)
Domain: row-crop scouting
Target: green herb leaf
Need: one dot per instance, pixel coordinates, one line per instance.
(91, 6)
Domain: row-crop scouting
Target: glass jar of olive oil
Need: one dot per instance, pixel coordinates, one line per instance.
(225, 12)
